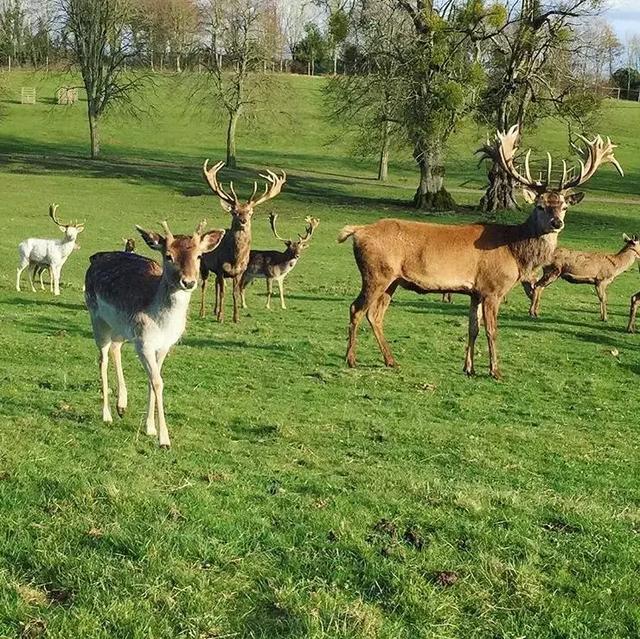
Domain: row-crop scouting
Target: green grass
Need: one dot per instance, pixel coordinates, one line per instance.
(302, 499)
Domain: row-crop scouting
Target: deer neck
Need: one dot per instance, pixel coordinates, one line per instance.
(67, 245)
(624, 259)
(531, 247)
(170, 303)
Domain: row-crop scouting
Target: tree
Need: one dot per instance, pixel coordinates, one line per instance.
(13, 31)
(531, 75)
(235, 57)
(101, 44)
(338, 29)
(312, 48)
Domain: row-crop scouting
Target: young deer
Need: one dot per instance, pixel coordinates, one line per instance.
(483, 261)
(276, 265)
(230, 259)
(132, 298)
(597, 269)
(51, 254)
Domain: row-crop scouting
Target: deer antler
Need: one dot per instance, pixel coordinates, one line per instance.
(503, 152)
(272, 221)
(271, 189)
(211, 175)
(52, 214)
(596, 153)
(168, 233)
(312, 224)
(200, 228)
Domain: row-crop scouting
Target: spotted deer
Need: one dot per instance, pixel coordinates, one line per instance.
(132, 298)
(274, 266)
(483, 261)
(230, 259)
(37, 254)
(578, 267)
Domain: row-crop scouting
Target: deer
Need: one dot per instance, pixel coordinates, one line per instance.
(577, 267)
(47, 252)
(481, 260)
(231, 258)
(132, 298)
(276, 265)
(633, 309)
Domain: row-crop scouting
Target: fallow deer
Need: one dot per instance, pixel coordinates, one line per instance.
(633, 309)
(230, 259)
(276, 265)
(132, 298)
(48, 253)
(577, 267)
(483, 261)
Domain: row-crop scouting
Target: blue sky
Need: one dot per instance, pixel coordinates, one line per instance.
(624, 16)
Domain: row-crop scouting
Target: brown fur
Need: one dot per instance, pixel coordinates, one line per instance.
(633, 309)
(578, 267)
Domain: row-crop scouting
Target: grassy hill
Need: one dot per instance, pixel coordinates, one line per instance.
(302, 499)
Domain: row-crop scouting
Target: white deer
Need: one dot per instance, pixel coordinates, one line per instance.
(48, 253)
(132, 298)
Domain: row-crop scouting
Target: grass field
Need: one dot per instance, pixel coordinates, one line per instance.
(302, 499)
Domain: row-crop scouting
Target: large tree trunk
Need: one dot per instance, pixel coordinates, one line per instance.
(499, 195)
(231, 140)
(94, 133)
(383, 164)
(431, 194)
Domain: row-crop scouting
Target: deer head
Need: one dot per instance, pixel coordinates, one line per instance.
(551, 201)
(295, 246)
(241, 212)
(70, 230)
(181, 254)
(632, 243)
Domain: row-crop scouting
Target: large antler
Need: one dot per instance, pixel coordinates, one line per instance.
(271, 189)
(503, 152)
(596, 153)
(52, 214)
(312, 224)
(211, 176)
(272, 221)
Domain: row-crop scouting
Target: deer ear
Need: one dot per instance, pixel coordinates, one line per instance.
(210, 240)
(626, 238)
(529, 195)
(154, 241)
(575, 198)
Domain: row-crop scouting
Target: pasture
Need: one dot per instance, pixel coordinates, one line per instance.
(302, 499)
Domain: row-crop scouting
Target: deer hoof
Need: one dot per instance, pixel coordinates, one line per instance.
(165, 446)
(470, 372)
(121, 410)
(496, 374)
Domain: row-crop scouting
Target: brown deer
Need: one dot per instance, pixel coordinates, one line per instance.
(276, 265)
(132, 298)
(633, 309)
(597, 269)
(483, 261)
(230, 259)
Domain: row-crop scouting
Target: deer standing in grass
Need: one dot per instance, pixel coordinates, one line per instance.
(52, 254)
(132, 298)
(230, 259)
(483, 261)
(597, 269)
(276, 265)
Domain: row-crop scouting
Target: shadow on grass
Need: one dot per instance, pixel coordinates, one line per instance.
(42, 302)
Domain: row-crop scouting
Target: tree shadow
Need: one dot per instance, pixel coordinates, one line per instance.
(43, 303)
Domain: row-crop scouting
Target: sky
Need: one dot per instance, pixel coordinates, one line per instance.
(624, 16)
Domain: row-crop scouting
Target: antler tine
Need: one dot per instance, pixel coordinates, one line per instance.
(312, 224)
(211, 175)
(272, 188)
(564, 173)
(235, 197)
(549, 165)
(595, 153)
(272, 222)
(52, 214)
(167, 230)
(201, 227)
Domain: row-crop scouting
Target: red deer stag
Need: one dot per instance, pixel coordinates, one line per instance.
(483, 261)
(597, 269)
(230, 259)
(276, 265)
(132, 298)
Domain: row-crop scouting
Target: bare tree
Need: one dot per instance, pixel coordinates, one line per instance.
(101, 44)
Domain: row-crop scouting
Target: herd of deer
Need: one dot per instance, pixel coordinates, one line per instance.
(133, 298)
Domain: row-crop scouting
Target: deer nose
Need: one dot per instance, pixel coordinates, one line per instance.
(556, 223)
(188, 284)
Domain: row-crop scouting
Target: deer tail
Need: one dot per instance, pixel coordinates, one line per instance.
(347, 232)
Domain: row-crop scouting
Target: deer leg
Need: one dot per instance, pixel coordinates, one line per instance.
(150, 363)
(446, 297)
(55, 271)
(475, 313)
(220, 298)
(203, 289)
(633, 309)
(375, 316)
(601, 291)
(31, 272)
(243, 285)
(358, 309)
(23, 264)
(116, 354)
(104, 365)
(41, 274)
(269, 292)
(548, 278)
(280, 283)
(490, 306)
(236, 298)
